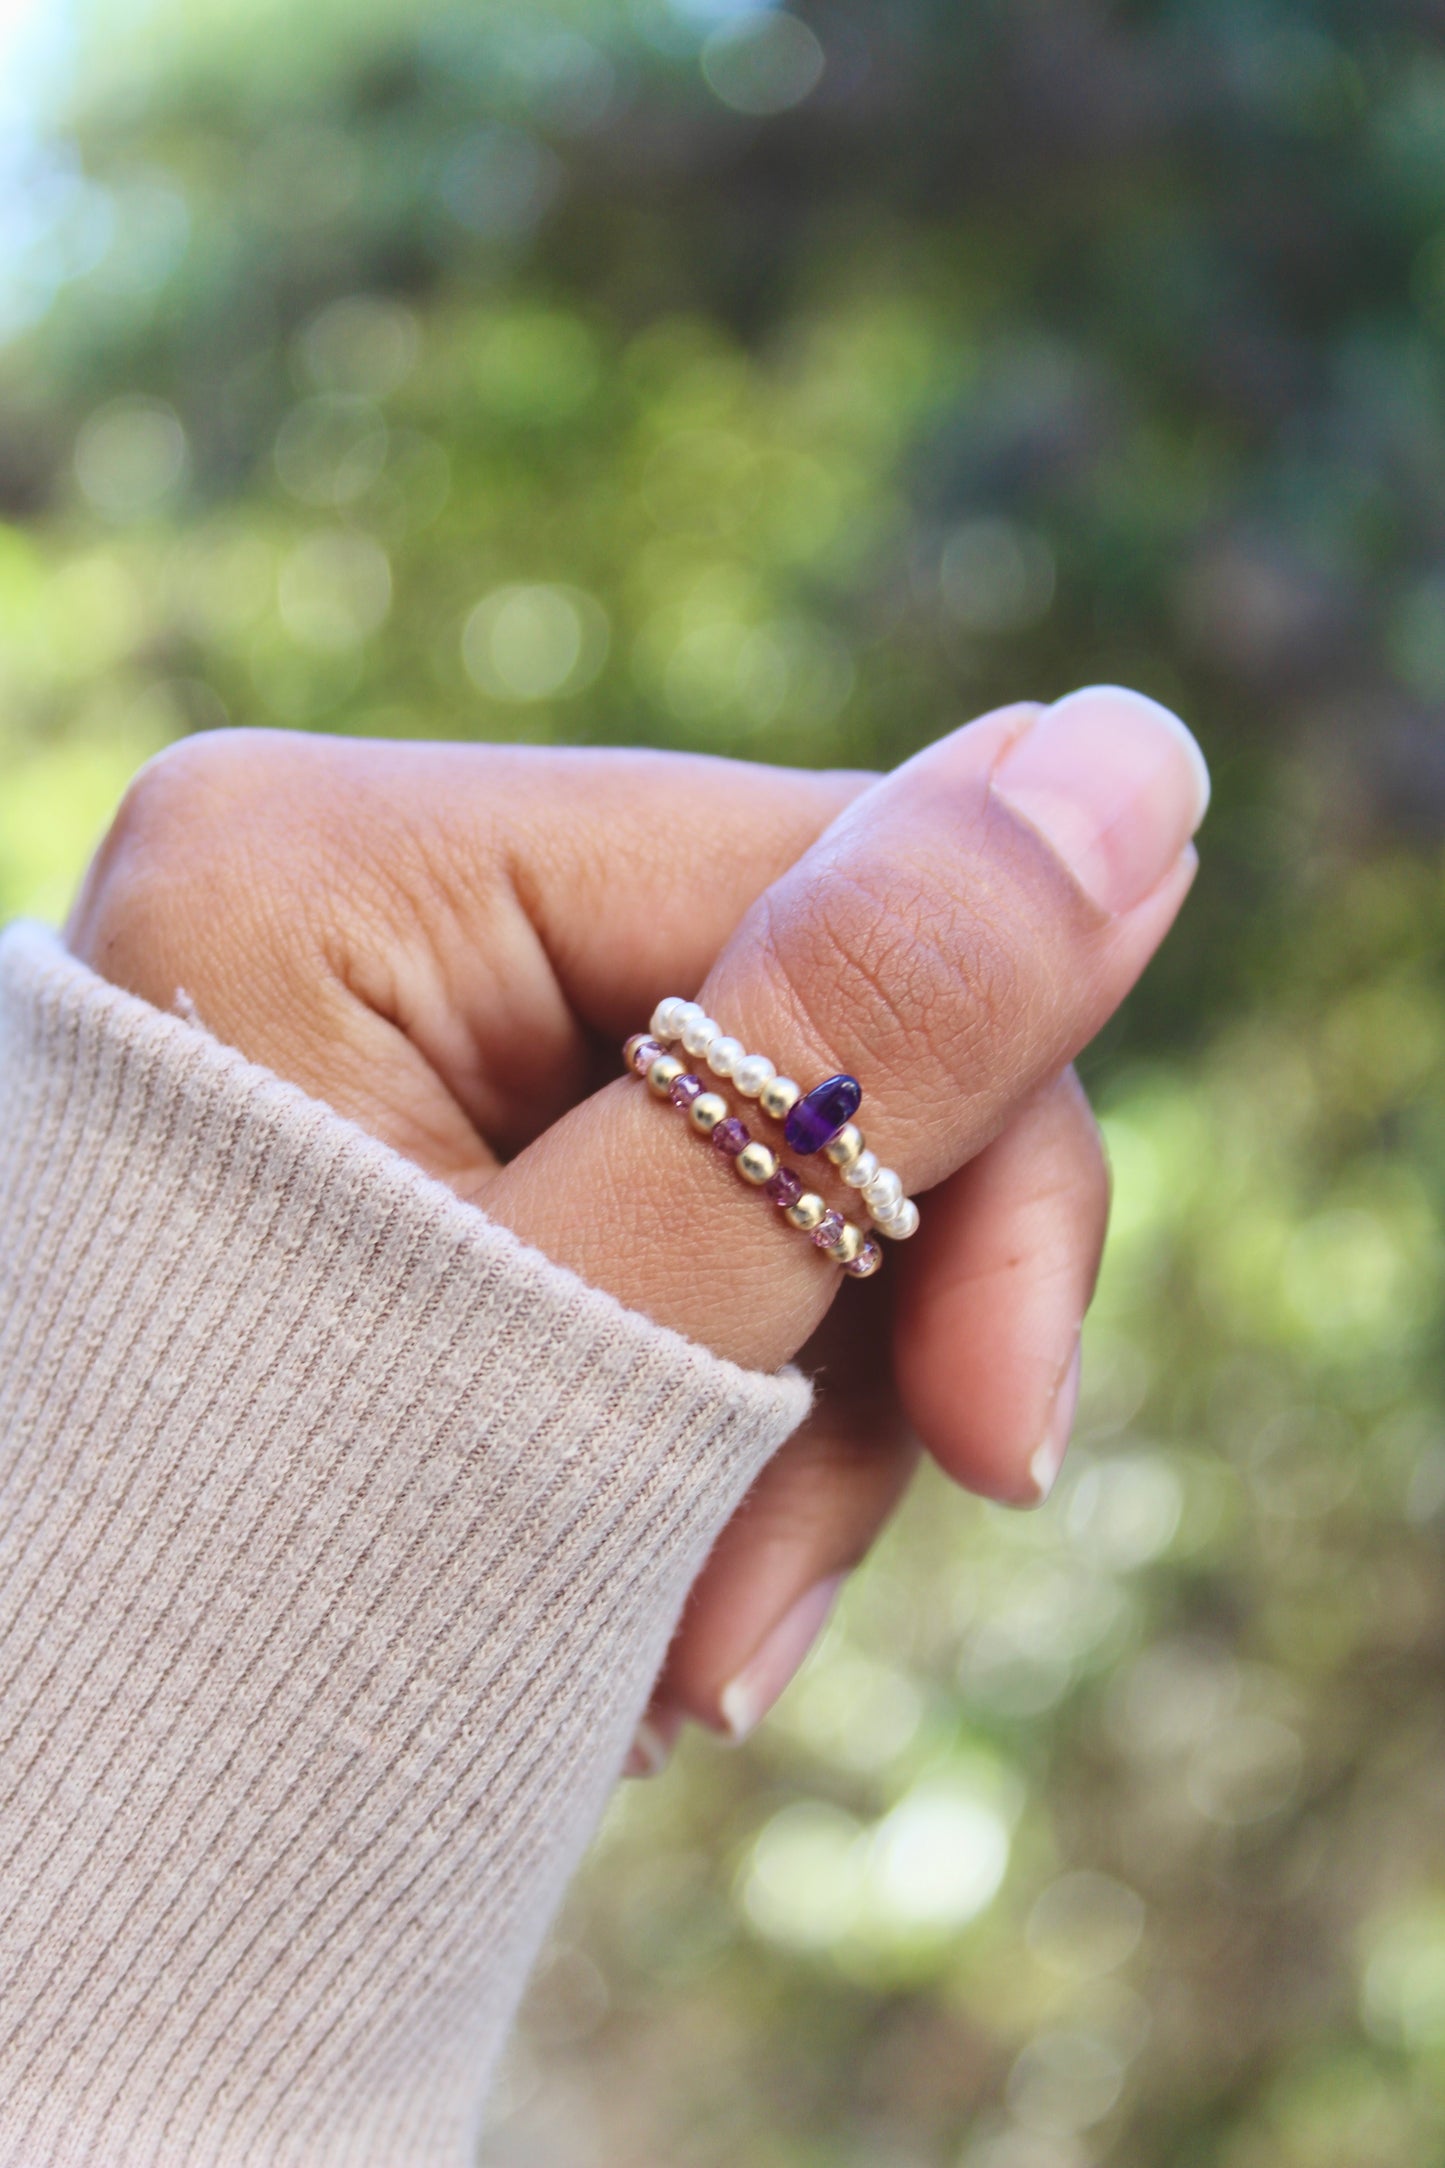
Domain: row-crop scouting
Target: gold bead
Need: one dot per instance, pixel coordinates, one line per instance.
(846, 1146)
(631, 1048)
(848, 1245)
(706, 1111)
(779, 1096)
(662, 1072)
(807, 1212)
(756, 1164)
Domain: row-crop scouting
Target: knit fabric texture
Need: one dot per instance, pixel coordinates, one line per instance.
(341, 1538)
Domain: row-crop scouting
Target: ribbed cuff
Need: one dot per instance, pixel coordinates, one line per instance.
(341, 1536)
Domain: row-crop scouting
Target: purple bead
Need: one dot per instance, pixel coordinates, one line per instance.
(645, 1054)
(684, 1089)
(828, 1229)
(822, 1112)
(730, 1136)
(869, 1258)
(784, 1188)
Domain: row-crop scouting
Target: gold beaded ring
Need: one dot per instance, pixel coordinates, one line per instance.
(820, 1120)
(755, 1163)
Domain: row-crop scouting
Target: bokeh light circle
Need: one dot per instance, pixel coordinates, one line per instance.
(762, 64)
(131, 459)
(534, 642)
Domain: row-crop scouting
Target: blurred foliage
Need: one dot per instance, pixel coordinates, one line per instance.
(791, 385)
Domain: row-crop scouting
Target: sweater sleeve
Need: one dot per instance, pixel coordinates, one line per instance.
(341, 1537)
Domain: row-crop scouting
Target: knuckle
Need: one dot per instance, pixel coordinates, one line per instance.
(194, 778)
(188, 816)
(175, 879)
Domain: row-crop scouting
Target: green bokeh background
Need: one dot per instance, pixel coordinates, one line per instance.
(794, 385)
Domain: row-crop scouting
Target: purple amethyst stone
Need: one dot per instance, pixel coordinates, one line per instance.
(822, 1112)
(784, 1188)
(683, 1090)
(729, 1137)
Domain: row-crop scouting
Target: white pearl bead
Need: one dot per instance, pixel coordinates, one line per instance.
(752, 1073)
(724, 1055)
(902, 1223)
(883, 1194)
(699, 1032)
(862, 1171)
(664, 1018)
(687, 1012)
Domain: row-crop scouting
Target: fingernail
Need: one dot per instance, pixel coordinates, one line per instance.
(746, 1700)
(1114, 783)
(652, 1745)
(1048, 1455)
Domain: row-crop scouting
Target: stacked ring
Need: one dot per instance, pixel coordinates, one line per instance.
(755, 1163)
(820, 1120)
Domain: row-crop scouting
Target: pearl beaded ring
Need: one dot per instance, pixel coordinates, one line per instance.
(820, 1120)
(756, 1164)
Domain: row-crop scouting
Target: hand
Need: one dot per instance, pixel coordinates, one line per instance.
(449, 944)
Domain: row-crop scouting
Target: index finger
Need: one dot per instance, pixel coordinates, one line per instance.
(431, 937)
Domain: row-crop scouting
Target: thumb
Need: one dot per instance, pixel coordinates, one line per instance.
(952, 940)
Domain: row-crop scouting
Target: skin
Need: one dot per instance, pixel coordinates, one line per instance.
(449, 943)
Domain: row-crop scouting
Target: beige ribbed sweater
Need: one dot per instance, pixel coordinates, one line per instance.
(341, 1537)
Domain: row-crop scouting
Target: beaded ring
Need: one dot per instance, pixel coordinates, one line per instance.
(820, 1120)
(668, 1078)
